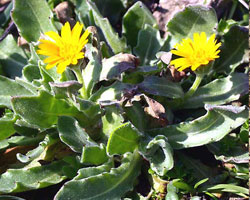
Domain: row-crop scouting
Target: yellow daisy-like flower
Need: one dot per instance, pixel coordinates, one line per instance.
(195, 53)
(63, 50)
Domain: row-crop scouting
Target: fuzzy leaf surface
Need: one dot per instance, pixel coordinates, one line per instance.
(134, 20)
(219, 91)
(191, 20)
(110, 185)
(42, 110)
(147, 50)
(217, 123)
(34, 21)
(12, 57)
(116, 43)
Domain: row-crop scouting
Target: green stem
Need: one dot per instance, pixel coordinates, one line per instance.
(78, 74)
(194, 87)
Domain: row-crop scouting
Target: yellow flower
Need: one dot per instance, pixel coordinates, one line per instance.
(63, 50)
(195, 53)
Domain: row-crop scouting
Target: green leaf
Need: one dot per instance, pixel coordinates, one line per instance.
(18, 180)
(134, 20)
(161, 87)
(110, 9)
(20, 141)
(91, 73)
(42, 148)
(114, 66)
(82, 12)
(12, 57)
(65, 89)
(124, 138)
(219, 91)
(147, 50)
(191, 20)
(117, 44)
(10, 88)
(42, 110)
(93, 171)
(200, 182)
(32, 18)
(111, 120)
(112, 185)
(110, 93)
(182, 185)
(5, 15)
(234, 154)
(171, 196)
(233, 49)
(212, 127)
(228, 188)
(72, 134)
(6, 125)
(159, 154)
(94, 155)
(8, 197)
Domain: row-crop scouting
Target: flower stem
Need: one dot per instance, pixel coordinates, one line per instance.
(194, 87)
(78, 74)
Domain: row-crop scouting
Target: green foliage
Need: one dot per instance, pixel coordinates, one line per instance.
(134, 20)
(192, 19)
(12, 57)
(35, 20)
(136, 117)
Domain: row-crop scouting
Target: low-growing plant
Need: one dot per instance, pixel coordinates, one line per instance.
(123, 116)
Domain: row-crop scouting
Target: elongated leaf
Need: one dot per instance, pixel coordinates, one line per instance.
(229, 188)
(220, 91)
(235, 154)
(91, 73)
(8, 197)
(10, 88)
(159, 154)
(117, 44)
(112, 185)
(147, 50)
(110, 9)
(93, 171)
(34, 21)
(191, 20)
(20, 141)
(123, 139)
(134, 20)
(72, 134)
(12, 57)
(43, 146)
(42, 110)
(7, 126)
(161, 87)
(18, 180)
(212, 127)
(233, 48)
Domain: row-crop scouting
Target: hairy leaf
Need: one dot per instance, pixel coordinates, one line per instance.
(191, 20)
(12, 57)
(112, 185)
(212, 127)
(134, 20)
(161, 87)
(159, 154)
(147, 50)
(117, 44)
(42, 110)
(219, 91)
(34, 21)
(233, 49)
(124, 138)
(10, 88)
